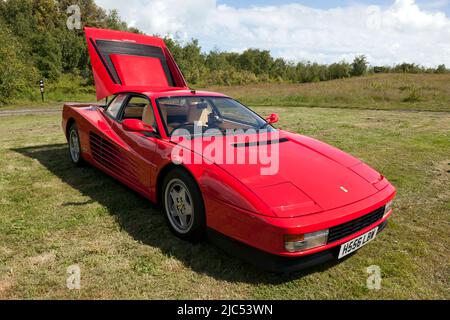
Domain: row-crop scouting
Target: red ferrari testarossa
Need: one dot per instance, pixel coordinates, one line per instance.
(301, 203)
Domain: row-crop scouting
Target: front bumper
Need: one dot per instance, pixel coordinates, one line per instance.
(275, 263)
(267, 233)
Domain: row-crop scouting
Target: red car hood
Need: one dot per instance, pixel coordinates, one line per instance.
(311, 177)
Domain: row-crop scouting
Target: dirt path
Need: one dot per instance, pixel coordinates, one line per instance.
(25, 111)
(4, 113)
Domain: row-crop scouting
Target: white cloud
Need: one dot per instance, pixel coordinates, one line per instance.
(401, 32)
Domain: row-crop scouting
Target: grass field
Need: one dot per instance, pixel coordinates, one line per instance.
(53, 215)
(377, 92)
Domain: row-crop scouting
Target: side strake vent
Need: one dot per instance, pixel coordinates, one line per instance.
(259, 143)
(105, 153)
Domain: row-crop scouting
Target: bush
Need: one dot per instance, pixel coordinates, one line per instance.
(339, 70)
(414, 95)
(409, 68)
(441, 69)
(359, 66)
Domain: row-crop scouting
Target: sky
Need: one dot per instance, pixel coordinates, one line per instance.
(386, 31)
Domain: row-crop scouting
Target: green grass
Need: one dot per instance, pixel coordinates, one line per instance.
(414, 92)
(53, 215)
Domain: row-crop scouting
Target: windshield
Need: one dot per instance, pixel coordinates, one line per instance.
(194, 113)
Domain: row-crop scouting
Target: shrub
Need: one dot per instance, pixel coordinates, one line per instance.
(339, 70)
(441, 69)
(414, 95)
(359, 66)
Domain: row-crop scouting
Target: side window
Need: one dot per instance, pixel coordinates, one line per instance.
(139, 108)
(114, 107)
(134, 108)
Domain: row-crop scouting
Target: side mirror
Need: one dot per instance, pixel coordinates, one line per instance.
(273, 118)
(136, 125)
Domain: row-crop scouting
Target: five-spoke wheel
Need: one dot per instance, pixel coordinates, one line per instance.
(179, 205)
(183, 205)
(74, 145)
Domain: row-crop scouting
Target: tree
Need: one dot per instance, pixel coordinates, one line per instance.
(339, 70)
(113, 21)
(16, 72)
(47, 54)
(409, 68)
(256, 61)
(359, 66)
(279, 68)
(441, 69)
(192, 61)
(216, 60)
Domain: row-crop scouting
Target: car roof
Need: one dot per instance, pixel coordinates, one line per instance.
(175, 92)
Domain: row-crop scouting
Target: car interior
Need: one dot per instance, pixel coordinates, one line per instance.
(182, 112)
(189, 112)
(186, 111)
(173, 115)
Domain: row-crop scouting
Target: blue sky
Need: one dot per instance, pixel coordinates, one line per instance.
(327, 4)
(387, 32)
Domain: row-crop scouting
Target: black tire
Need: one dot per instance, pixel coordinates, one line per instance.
(195, 225)
(76, 160)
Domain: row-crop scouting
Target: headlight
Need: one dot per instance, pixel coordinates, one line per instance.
(388, 207)
(301, 242)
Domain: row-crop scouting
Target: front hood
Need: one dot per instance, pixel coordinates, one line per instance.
(302, 176)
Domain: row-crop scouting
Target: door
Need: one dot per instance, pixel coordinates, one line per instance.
(141, 147)
(124, 61)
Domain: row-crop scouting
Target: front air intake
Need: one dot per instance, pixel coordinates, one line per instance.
(343, 230)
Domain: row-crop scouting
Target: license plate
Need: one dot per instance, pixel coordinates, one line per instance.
(356, 243)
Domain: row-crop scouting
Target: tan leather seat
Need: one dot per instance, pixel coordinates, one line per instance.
(147, 116)
(163, 114)
(132, 111)
(197, 115)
